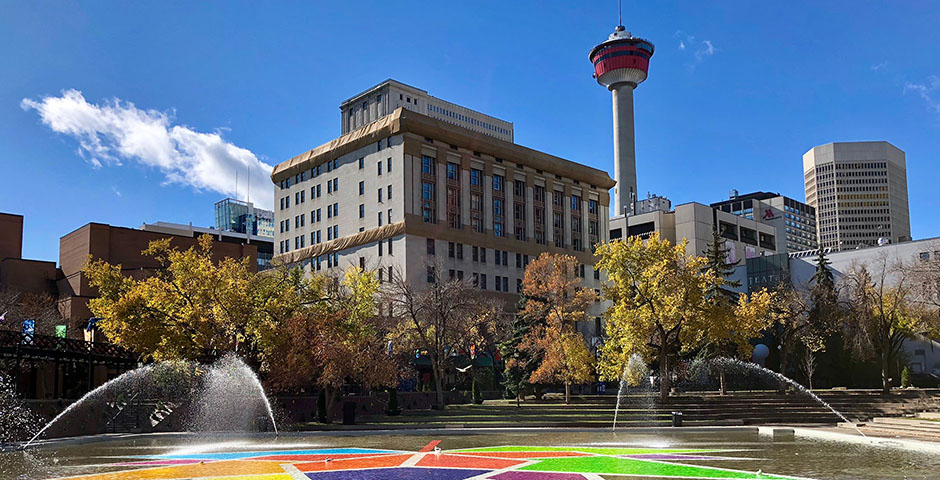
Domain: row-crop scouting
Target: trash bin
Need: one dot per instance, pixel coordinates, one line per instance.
(676, 419)
(349, 413)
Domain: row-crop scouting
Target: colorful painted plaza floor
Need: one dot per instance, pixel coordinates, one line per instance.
(515, 462)
(464, 455)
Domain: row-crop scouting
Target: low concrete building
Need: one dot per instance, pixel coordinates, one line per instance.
(694, 222)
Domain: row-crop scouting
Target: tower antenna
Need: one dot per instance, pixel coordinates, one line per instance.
(619, 12)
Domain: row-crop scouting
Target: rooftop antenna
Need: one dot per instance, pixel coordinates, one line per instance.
(620, 12)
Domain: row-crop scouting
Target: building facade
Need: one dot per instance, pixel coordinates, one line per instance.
(795, 221)
(744, 237)
(390, 95)
(410, 194)
(238, 216)
(118, 245)
(859, 191)
(264, 245)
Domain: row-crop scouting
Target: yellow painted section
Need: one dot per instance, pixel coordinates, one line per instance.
(238, 469)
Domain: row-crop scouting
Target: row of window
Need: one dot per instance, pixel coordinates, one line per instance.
(467, 119)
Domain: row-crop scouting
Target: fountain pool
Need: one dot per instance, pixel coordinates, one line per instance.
(448, 454)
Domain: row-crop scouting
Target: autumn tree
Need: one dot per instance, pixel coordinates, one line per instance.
(335, 338)
(883, 313)
(663, 301)
(553, 293)
(190, 306)
(441, 317)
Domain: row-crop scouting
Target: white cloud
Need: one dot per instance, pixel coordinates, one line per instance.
(929, 91)
(880, 66)
(700, 49)
(705, 49)
(114, 132)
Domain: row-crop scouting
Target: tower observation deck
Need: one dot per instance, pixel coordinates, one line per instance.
(620, 64)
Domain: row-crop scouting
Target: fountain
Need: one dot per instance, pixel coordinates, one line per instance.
(635, 374)
(635, 367)
(212, 398)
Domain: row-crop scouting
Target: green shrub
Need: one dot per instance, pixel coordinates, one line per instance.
(906, 377)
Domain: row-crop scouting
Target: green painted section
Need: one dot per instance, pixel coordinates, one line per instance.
(630, 466)
(594, 450)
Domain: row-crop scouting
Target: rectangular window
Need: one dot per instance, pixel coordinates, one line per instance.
(362, 188)
(505, 284)
(390, 247)
(428, 165)
(431, 274)
(482, 255)
(388, 190)
(476, 177)
(380, 195)
(451, 247)
(389, 217)
(362, 163)
(428, 202)
(380, 247)
(453, 172)
(336, 184)
(388, 164)
(498, 284)
(575, 203)
(483, 281)
(379, 165)
(497, 183)
(430, 246)
(380, 219)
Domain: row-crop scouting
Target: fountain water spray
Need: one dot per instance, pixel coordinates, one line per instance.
(634, 374)
(215, 395)
(779, 376)
(127, 377)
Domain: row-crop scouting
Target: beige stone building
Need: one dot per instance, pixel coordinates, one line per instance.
(409, 193)
(859, 191)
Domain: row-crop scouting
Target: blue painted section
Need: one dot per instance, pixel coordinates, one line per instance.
(264, 453)
(401, 473)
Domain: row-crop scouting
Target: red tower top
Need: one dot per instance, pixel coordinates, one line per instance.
(622, 58)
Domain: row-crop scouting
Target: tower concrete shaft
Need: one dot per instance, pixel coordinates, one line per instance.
(624, 146)
(620, 64)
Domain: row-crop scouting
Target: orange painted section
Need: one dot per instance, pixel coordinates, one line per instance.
(354, 463)
(210, 469)
(460, 461)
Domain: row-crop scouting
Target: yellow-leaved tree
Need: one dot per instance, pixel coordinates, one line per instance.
(664, 302)
(554, 297)
(193, 305)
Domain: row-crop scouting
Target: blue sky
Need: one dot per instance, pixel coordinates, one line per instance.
(754, 87)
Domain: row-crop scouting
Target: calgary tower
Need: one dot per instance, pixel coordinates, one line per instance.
(620, 64)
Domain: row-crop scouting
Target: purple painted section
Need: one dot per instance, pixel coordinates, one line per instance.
(537, 476)
(667, 456)
(161, 462)
(405, 473)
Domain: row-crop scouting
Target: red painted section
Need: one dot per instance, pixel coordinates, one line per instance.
(461, 461)
(430, 446)
(354, 463)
